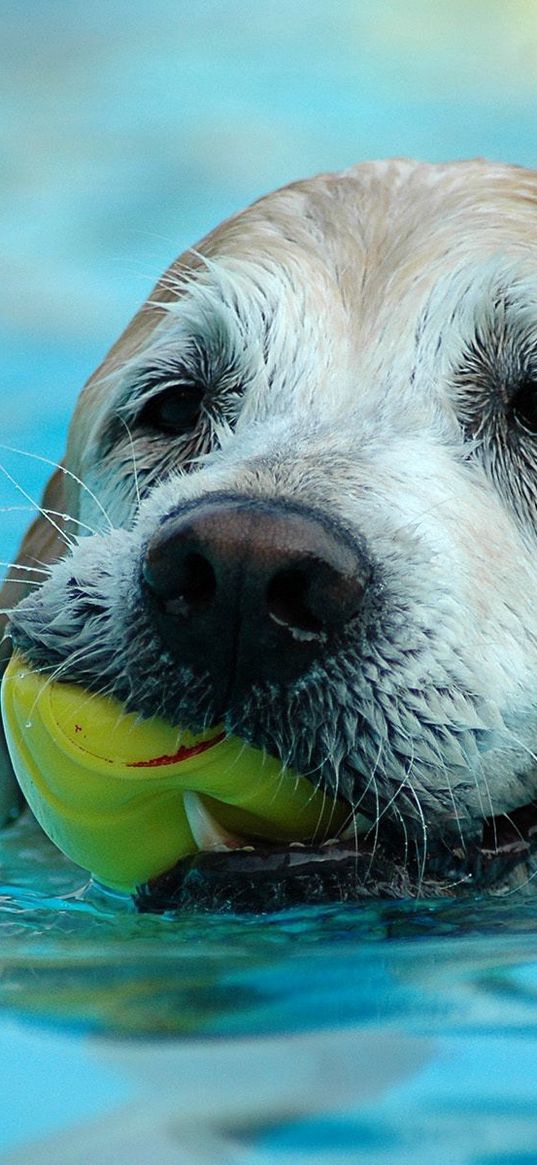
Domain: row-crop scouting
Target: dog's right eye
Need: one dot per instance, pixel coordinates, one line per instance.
(175, 410)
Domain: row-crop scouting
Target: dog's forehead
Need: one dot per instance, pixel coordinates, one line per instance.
(363, 248)
(378, 232)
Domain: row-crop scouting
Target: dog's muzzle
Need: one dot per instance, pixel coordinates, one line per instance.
(252, 591)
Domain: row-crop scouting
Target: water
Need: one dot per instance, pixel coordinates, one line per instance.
(375, 1033)
(380, 1033)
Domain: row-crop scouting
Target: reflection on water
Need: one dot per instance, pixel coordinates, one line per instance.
(82, 958)
(417, 1006)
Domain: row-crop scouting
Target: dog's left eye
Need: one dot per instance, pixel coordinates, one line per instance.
(175, 409)
(524, 406)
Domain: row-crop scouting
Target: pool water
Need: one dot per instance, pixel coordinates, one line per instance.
(377, 1033)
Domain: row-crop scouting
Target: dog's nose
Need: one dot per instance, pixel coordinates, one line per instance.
(252, 591)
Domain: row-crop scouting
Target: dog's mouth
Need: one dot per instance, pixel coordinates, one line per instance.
(236, 864)
(250, 875)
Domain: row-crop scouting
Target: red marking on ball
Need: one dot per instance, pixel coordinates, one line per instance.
(182, 753)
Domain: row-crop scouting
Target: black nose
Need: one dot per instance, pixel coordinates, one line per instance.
(251, 591)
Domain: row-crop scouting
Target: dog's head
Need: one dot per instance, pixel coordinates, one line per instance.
(302, 492)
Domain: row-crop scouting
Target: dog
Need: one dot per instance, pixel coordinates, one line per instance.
(302, 501)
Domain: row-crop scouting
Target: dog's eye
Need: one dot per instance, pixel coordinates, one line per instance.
(175, 410)
(524, 406)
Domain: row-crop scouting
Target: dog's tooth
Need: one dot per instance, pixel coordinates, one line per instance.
(207, 833)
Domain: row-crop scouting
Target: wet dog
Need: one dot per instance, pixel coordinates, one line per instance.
(302, 498)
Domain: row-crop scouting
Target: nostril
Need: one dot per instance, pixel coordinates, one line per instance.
(245, 592)
(199, 580)
(185, 586)
(195, 585)
(317, 597)
(287, 603)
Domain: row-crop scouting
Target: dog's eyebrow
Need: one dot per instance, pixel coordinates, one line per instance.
(492, 380)
(477, 334)
(249, 332)
(213, 335)
(187, 364)
(498, 349)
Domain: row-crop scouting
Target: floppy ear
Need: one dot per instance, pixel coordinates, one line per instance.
(43, 543)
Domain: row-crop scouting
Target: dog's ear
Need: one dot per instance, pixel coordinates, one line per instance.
(43, 544)
(45, 541)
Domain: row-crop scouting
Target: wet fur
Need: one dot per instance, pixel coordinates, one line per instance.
(361, 338)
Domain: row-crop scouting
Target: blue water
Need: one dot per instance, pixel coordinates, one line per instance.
(381, 1033)
(387, 1032)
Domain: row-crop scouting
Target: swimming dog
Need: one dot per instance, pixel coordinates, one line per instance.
(302, 496)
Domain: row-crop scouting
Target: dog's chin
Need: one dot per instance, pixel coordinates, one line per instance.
(258, 878)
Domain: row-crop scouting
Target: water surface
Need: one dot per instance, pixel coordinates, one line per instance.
(387, 1031)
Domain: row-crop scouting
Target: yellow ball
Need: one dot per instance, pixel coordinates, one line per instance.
(115, 792)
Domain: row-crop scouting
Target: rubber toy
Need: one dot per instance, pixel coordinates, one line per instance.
(122, 796)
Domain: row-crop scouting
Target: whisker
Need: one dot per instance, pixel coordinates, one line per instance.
(70, 518)
(374, 829)
(17, 509)
(456, 813)
(55, 673)
(372, 779)
(422, 851)
(21, 566)
(520, 744)
(404, 784)
(134, 466)
(36, 505)
(63, 469)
